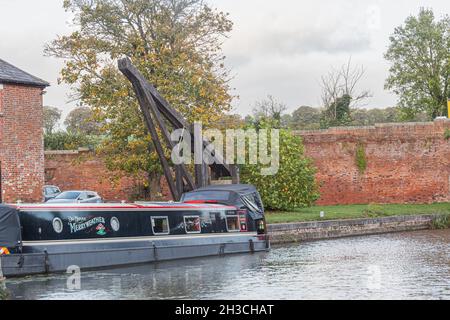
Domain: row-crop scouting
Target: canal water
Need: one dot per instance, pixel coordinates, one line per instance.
(413, 265)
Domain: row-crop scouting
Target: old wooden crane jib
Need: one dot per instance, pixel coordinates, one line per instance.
(156, 110)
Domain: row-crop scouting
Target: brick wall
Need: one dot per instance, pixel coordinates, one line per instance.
(83, 170)
(405, 163)
(21, 138)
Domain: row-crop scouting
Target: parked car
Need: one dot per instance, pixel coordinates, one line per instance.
(50, 192)
(77, 197)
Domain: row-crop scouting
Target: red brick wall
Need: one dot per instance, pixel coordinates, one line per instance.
(22, 150)
(78, 170)
(405, 163)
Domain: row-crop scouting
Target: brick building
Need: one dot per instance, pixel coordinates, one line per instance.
(21, 135)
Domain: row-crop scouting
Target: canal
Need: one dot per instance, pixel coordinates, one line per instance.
(413, 265)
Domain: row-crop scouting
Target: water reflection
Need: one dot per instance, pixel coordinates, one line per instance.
(397, 266)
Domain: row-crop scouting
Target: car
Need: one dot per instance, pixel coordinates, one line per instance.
(50, 192)
(77, 196)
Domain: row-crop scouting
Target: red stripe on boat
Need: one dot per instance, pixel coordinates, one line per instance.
(217, 206)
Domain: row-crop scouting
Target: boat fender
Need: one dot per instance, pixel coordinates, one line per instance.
(46, 262)
(222, 249)
(21, 261)
(155, 251)
(251, 246)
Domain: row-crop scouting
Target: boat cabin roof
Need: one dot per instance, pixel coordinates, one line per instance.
(123, 206)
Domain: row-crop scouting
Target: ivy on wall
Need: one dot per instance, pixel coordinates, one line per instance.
(361, 159)
(447, 134)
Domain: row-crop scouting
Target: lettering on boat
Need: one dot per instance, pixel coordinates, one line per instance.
(78, 224)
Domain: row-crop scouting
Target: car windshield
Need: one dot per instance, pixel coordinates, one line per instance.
(50, 190)
(69, 195)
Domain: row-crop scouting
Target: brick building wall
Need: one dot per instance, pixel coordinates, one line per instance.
(83, 170)
(407, 162)
(21, 143)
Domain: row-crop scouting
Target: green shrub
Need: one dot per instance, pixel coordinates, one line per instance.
(70, 141)
(361, 159)
(294, 185)
(375, 210)
(441, 222)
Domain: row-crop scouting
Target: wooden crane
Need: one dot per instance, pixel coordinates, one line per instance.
(157, 112)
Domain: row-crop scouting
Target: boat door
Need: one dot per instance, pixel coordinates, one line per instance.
(217, 223)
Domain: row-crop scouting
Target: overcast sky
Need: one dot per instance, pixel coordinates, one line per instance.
(277, 47)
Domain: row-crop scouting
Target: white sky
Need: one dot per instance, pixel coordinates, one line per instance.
(277, 47)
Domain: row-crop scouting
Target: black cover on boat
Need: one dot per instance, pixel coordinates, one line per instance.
(231, 194)
(10, 234)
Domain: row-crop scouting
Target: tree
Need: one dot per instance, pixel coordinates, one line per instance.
(230, 121)
(81, 121)
(52, 115)
(268, 111)
(338, 113)
(306, 118)
(419, 53)
(294, 185)
(175, 44)
(340, 94)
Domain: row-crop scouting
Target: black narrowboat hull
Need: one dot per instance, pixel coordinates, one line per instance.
(50, 257)
(102, 236)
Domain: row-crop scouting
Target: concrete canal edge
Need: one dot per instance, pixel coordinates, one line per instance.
(320, 230)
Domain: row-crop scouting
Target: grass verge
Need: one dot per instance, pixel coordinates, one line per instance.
(355, 212)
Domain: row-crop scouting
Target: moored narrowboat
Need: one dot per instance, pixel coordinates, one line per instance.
(46, 238)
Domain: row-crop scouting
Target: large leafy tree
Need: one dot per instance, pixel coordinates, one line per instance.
(81, 121)
(176, 44)
(305, 118)
(52, 115)
(419, 53)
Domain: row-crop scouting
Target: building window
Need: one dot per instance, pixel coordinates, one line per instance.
(233, 224)
(160, 225)
(192, 224)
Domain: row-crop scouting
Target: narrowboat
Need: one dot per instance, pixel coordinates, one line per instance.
(48, 238)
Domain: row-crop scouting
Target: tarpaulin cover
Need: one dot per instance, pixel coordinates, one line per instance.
(232, 194)
(10, 235)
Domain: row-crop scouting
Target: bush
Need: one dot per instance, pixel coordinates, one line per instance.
(375, 210)
(447, 134)
(294, 185)
(70, 141)
(441, 222)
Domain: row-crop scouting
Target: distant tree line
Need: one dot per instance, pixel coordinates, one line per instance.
(81, 130)
(310, 118)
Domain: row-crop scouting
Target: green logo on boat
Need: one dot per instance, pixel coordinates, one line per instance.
(101, 230)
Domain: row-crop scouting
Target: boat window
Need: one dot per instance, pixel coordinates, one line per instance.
(207, 195)
(233, 224)
(160, 225)
(192, 224)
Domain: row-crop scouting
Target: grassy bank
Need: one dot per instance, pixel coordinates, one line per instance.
(356, 211)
